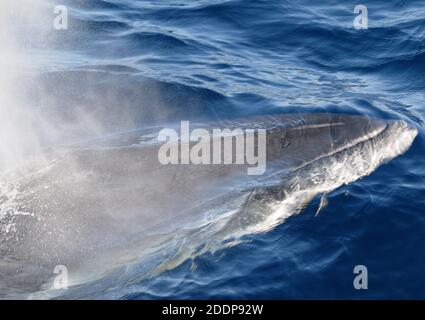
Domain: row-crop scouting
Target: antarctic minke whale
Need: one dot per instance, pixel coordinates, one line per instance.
(109, 206)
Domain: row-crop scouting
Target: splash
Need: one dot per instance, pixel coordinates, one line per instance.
(23, 26)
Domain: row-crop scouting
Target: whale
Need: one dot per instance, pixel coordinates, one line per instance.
(106, 208)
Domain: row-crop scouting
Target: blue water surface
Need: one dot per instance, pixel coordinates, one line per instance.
(211, 59)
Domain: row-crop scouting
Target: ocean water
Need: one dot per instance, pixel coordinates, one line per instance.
(126, 65)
